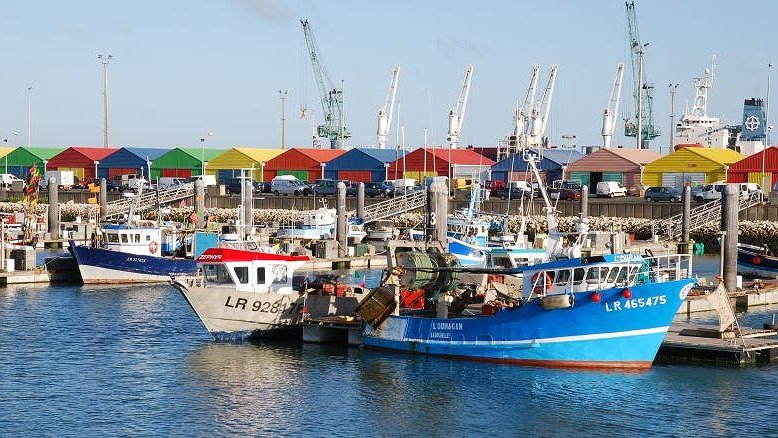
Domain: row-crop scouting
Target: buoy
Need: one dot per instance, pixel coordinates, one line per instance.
(756, 260)
(626, 293)
(596, 297)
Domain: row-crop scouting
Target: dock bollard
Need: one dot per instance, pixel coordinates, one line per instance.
(341, 233)
(53, 209)
(361, 200)
(729, 225)
(199, 203)
(103, 195)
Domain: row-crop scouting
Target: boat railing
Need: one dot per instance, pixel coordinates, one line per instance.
(630, 271)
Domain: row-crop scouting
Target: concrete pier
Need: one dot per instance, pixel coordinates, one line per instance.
(685, 246)
(341, 232)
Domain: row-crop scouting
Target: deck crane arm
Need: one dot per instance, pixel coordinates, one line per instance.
(612, 109)
(457, 114)
(386, 111)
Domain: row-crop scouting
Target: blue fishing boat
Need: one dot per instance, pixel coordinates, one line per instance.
(132, 254)
(610, 311)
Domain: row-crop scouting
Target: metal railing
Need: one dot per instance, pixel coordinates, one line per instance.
(394, 206)
(148, 200)
(704, 214)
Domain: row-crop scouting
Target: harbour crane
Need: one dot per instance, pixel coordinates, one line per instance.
(386, 111)
(518, 140)
(645, 129)
(456, 115)
(612, 109)
(334, 126)
(538, 117)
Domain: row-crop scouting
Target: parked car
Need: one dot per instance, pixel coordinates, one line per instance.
(571, 189)
(657, 194)
(6, 179)
(235, 185)
(504, 193)
(610, 189)
(325, 187)
(373, 189)
(289, 185)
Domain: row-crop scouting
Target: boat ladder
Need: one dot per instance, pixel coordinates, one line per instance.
(148, 200)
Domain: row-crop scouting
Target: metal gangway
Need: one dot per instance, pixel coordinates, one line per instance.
(394, 206)
(704, 214)
(148, 200)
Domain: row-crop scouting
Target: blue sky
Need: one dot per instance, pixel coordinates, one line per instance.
(182, 68)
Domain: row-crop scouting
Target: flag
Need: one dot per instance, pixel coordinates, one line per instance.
(192, 217)
(31, 186)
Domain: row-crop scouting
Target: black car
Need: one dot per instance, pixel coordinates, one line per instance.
(373, 189)
(502, 193)
(234, 185)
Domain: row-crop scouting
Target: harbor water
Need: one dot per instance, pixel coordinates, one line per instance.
(87, 361)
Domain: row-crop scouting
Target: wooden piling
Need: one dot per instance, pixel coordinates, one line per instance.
(729, 225)
(341, 232)
(361, 200)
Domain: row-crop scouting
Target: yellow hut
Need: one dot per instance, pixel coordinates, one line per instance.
(694, 165)
(229, 164)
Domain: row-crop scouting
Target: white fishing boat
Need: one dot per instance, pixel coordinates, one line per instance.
(239, 294)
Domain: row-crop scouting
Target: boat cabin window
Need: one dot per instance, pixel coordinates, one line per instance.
(242, 274)
(563, 277)
(216, 274)
(596, 275)
(260, 275)
(111, 237)
(279, 274)
(612, 276)
(578, 275)
(124, 237)
(137, 238)
(148, 237)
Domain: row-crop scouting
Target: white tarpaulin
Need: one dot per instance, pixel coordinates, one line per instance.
(719, 300)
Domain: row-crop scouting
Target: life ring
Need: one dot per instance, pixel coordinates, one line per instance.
(538, 290)
(153, 247)
(756, 260)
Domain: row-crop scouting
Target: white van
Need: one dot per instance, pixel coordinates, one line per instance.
(288, 185)
(610, 189)
(64, 178)
(712, 192)
(167, 182)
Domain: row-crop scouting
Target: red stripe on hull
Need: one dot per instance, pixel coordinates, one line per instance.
(559, 364)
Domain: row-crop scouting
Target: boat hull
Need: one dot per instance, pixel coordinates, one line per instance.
(101, 266)
(752, 261)
(614, 332)
(230, 315)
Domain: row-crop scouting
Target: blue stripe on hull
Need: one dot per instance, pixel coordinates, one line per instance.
(612, 332)
(131, 263)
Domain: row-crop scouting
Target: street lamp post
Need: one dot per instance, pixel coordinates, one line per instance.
(386, 171)
(97, 162)
(104, 59)
(262, 171)
(673, 87)
(202, 151)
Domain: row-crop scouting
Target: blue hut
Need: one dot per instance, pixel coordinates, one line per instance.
(551, 166)
(361, 165)
(128, 161)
